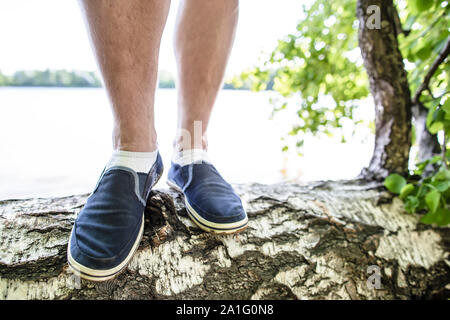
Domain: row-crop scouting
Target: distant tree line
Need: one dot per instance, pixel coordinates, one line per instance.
(81, 79)
(50, 78)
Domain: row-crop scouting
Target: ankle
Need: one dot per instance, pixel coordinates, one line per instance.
(135, 143)
(181, 143)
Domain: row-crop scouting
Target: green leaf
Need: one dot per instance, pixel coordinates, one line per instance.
(432, 200)
(429, 218)
(422, 5)
(441, 217)
(436, 122)
(447, 116)
(394, 183)
(431, 113)
(435, 127)
(411, 204)
(442, 175)
(421, 166)
(446, 106)
(443, 186)
(406, 190)
(424, 53)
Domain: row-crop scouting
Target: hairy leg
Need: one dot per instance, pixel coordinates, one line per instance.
(126, 36)
(204, 37)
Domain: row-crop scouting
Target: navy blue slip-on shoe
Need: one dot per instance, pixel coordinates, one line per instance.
(210, 201)
(109, 228)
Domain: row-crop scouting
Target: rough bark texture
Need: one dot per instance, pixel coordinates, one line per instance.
(303, 242)
(389, 87)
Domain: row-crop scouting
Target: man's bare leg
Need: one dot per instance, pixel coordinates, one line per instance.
(204, 36)
(126, 36)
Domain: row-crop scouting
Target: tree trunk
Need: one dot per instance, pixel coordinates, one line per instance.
(389, 87)
(427, 142)
(329, 240)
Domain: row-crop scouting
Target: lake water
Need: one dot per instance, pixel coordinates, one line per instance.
(55, 141)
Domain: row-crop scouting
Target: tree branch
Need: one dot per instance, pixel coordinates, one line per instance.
(303, 242)
(426, 81)
(398, 25)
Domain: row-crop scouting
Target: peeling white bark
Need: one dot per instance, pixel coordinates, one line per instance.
(414, 248)
(175, 272)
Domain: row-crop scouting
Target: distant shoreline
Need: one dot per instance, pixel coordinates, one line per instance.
(79, 79)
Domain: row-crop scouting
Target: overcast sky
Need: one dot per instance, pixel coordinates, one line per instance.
(50, 34)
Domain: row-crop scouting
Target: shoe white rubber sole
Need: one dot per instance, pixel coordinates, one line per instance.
(208, 226)
(103, 275)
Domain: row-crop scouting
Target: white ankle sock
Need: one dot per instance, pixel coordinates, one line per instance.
(138, 161)
(186, 157)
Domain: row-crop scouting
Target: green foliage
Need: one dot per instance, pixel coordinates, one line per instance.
(426, 23)
(318, 72)
(395, 183)
(421, 5)
(318, 65)
(429, 195)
